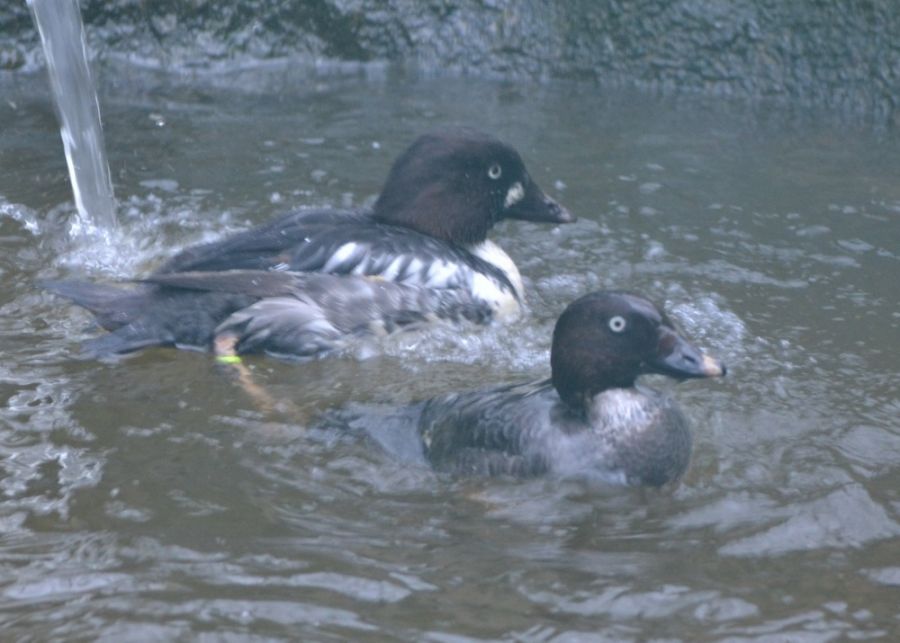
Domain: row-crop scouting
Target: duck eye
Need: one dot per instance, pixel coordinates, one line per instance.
(495, 171)
(617, 324)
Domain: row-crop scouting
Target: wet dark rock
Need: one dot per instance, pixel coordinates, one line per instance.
(829, 52)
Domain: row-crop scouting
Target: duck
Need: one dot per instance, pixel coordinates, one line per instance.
(590, 419)
(305, 283)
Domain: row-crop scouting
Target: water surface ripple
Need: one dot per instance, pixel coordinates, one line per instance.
(149, 498)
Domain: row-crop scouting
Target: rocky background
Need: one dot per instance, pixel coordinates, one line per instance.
(835, 53)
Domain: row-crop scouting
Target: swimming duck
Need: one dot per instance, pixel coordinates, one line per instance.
(590, 419)
(300, 284)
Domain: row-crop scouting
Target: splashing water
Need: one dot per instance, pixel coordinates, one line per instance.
(62, 35)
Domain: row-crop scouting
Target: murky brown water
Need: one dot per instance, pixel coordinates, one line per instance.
(150, 499)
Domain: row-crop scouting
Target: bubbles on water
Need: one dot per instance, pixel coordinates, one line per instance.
(42, 478)
(855, 245)
(845, 517)
(654, 250)
(705, 320)
(843, 209)
(812, 231)
(166, 185)
(123, 511)
(836, 261)
(143, 239)
(24, 215)
(885, 575)
(520, 348)
(109, 252)
(554, 292)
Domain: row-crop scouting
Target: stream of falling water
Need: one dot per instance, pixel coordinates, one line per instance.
(62, 35)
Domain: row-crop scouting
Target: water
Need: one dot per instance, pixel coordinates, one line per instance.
(150, 498)
(65, 51)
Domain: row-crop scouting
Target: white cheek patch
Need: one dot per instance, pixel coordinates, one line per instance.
(515, 194)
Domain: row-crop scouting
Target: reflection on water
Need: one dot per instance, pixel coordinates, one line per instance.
(149, 497)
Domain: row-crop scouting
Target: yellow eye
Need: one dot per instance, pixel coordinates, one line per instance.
(617, 324)
(495, 171)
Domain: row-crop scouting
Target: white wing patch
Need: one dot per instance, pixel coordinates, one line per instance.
(393, 270)
(441, 273)
(340, 255)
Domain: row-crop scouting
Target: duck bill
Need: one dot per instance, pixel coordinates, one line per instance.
(682, 360)
(527, 202)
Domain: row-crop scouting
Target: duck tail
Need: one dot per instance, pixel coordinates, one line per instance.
(113, 306)
(125, 339)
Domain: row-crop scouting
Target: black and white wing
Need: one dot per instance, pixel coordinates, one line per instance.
(340, 243)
